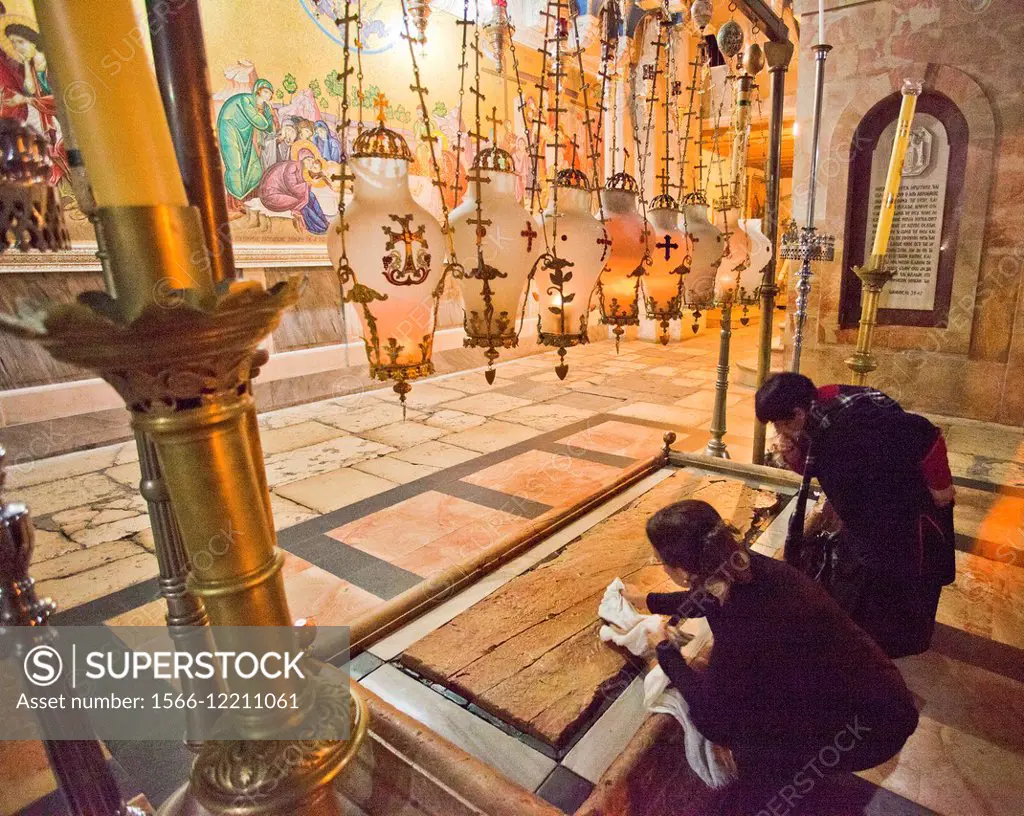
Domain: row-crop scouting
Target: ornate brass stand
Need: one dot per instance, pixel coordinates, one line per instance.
(180, 352)
(808, 245)
(873, 278)
(716, 445)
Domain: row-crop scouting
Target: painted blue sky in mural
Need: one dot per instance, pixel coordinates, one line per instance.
(380, 28)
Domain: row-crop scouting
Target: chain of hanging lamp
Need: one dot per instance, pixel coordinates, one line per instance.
(532, 150)
(609, 73)
(684, 136)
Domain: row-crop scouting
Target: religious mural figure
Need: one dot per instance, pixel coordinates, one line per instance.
(287, 187)
(326, 142)
(277, 146)
(240, 120)
(25, 90)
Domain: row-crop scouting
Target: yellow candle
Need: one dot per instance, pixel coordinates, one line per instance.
(105, 84)
(911, 90)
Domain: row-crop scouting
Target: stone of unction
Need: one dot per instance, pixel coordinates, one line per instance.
(530, 654)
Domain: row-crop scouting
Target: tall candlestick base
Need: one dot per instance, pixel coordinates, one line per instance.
(873, 277)
(716, 445)
(181, 353)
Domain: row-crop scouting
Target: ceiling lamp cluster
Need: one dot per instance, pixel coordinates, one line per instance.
(665, 256)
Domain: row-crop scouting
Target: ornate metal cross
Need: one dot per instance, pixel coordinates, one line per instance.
(668, 245)
(529, 234)
(413, 270)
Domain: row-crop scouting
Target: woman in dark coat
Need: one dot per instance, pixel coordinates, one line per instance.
(793, 687)
(886, 476)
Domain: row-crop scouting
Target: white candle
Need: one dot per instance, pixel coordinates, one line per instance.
(821, 21)
(112, 103)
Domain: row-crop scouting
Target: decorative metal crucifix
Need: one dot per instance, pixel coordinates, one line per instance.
(668, 245)
(414, 270)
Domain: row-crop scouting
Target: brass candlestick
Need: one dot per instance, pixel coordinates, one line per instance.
(873, 277)
(180, 352)
(716, 445)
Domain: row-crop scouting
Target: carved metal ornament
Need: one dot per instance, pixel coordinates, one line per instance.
(269, 777)
(145, 360)
(381, 143)
(413, 267)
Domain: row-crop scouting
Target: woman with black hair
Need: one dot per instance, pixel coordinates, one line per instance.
(793, 687)
(886, 476)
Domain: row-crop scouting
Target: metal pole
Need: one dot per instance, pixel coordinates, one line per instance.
(715, 446)
(777, 55)
(803, 288)
(179, 53)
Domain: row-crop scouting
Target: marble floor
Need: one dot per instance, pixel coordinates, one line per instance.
(368, 505)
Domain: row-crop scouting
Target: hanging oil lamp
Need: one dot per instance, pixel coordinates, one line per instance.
(498, 243)
(394, 250)
(497, 31)
(730, 39)
(579, 247)
(670, 253)
(576, 241)
(708, 245)
(619, 286)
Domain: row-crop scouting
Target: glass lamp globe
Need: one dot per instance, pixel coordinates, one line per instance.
(708, 244)
(670, 254)
(620, 281)
(579, 250)
(396, 255)
(495, 267)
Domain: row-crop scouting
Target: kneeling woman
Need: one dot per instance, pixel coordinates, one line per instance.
(792, 686)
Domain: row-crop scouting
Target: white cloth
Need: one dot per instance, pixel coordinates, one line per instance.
(626, 627)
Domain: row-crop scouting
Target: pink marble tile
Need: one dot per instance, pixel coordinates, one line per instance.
(545, 477)
(621, 439)
(396, 532)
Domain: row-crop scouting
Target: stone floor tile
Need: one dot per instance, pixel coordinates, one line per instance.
(403, 434)
(492, 435)
(454, 420)
(334, 489)
(435, 454)
(486, 404)
(299, 435)
(301, 463)
(395, 470)
(545, 416)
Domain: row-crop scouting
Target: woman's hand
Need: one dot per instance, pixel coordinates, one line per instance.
(658, 635)
(636, 598)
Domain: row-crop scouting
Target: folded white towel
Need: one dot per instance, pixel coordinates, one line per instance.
(627, 627)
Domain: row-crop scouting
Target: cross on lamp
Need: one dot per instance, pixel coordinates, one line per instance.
(529, 234)
(381, 104)
(668, 245)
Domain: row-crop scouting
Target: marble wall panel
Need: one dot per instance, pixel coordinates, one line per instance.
(23, 363)
(876, 44)
(316, 319)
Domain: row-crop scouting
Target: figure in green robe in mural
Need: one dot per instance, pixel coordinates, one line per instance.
(242, 115)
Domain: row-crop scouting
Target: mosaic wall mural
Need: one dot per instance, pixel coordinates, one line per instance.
(277, 101)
